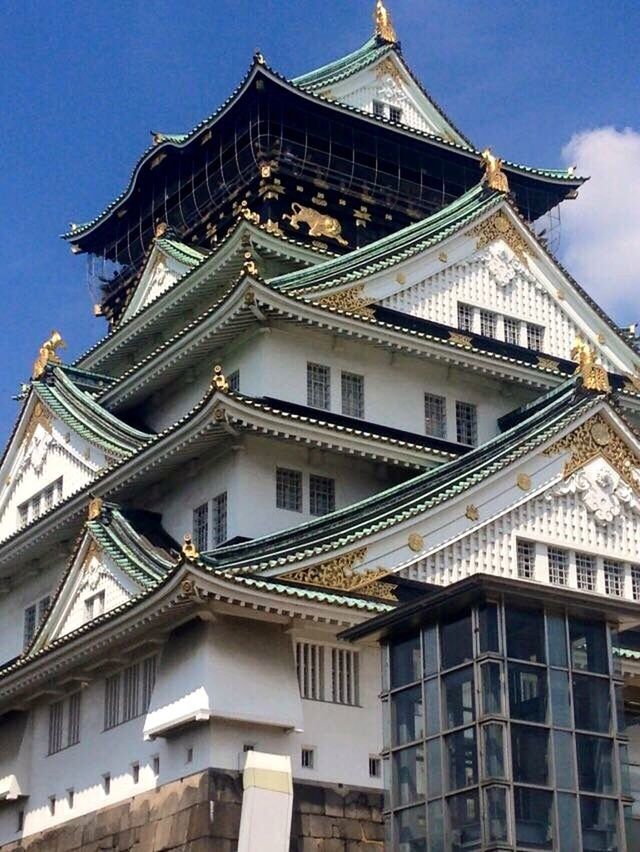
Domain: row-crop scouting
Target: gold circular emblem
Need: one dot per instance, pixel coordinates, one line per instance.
(188, 587)
(600, 434)
(523, 481)
(416, 542)
(501, 224)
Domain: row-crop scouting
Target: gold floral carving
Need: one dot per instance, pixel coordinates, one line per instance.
(494, 177)
(416, 542)
(339, 574)
(460, 339)
(39, 417)
(594, 439)
(594, 376)
(320, 224)
(350, 300)
(498, 227)
(383, 26)
(47, 354)
(547, 364)
(388, 68)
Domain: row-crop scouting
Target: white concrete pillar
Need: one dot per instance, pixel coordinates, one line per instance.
(267, 802)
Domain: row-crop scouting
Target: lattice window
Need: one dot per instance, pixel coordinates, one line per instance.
(73, 720)
(488, 323)
(344, 676)
(327, 673)
(310, 668)
(130, 692)
(41, 502)
(56, 711)
(512, 331)
(33, 616)
(526, 559)
(219, 520)
(613, 578)
(289, 489)
(233, 380)
(435, 415)
(586, 572)
(94, 606)
(465, 317)
(558, 566)
(378, 108)
(200, 527)
(535, 336)
(148, 681)
(467, 423)
(395, 114)
(319, 386)
(635, 582)
(322, 495)
(352, 395)
(112, 702)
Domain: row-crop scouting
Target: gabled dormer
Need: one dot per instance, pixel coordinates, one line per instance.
(121, 554)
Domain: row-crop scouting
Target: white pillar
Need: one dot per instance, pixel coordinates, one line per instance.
(267, 802)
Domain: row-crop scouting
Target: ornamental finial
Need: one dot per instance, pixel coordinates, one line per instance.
(594, 376)
(47, 354)
(383, 26)
(494, 177)
(218, 380)
(188, 547)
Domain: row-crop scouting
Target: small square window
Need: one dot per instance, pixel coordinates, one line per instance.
(135, 772)
(488, 323)
(558, 566)
(233, 380)
(395, 114)
(307, 758)
(322, 495)
(156, 765)
(52, 805)
(535, 337)
(106, 783)
(94, 606)
(289, 489)
(467, 423)
(248, 747)
(635, 582)
(189, 758)
(586, 572)
(526, 556)
(375, 767)
(378, 108)
(319, 386)
(353, 395)
(613, 578)
(71, 795)
(435, 415)
(20, 821)
(512, 331)
(465, 317)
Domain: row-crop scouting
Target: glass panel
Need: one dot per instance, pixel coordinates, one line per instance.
(560, 698)
(557, 640)
(491, 688)
(464, 821)
(525, 634)
(405, 661)
(386, 723)
(493, 751)
(528, 693)
(410, 830)
(595, 764)
(430, 644)
(432, 695)
(589, 646)
(625, 775)
(620, 714)
(488, 624)
(530, 754)
(456, 643)
(407, 716)
(534, 818)
(599, 824)
(568, 838)
(459, 706)
(436, 827)
(384, 665)
(496, 805)
(461, 757)
(591, 703)
(434, 768)
(408, 775)
(563, 754)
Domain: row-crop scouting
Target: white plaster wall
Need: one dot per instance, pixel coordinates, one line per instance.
(117, 588)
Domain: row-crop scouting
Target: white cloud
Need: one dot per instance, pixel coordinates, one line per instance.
(601, 228)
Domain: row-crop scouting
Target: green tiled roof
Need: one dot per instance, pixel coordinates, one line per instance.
(339, 69)
(187, 255)
(393, 248)
(83, 415)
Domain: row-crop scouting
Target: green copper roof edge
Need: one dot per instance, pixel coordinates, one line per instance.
(144, 572)
(187, 255)
(338, 69)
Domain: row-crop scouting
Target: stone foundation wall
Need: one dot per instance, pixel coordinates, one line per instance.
(201, 813)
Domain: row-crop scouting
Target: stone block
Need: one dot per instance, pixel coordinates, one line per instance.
(226, 820)
(199, 821)
(333, 804)
(308, 799)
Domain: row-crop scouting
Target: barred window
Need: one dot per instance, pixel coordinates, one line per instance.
(94, 606)
(352, 395)
(310, 668)
(322, 495)
(467, 423)
(73, 720)
(233, 380)
(307, 758)
(535, 336)
(586, 572)
(635, 582)
(378, 108)
(344, 676)
(613, 578)
(33, 616)
(526, 558)
(558, 566)
(23, 515)
(512, 330)
(55, 726)
(41, 502)
(289, 489)
(318, 386)
(48, 497)
(327, 673)
(130, 692)
(465, 317)
(435, 415)
(200, 527)
(488, 323)
(219, 520)
(395, 114)
(148, 681)
(112, 702)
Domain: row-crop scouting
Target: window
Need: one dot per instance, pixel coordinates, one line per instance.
(352, 395)
(307, 758)
(467, 423)
(44, 500)
(558, 566)
(64, 723)
(200, 527)
(189, 756)
(33, 616)
(613, 578)
(395, 114)
(526, 558)
(20, 821)
(73, 720)
(310, 668)
(219, 519)
(378, 108)
(106, 783)
(71, 794)
(128, 693)
(435, 415)
(465, 317)
(55, 726)
(233, 380)
(322, 495)
(94, 606)
(135, 772)
(488, 323)
(289, 489)
(344, 676)
(52, 805)
(586, 572)
(635, 582)
(512, 331)
(375, 767)
(535, 336)
(156, 765)
(318, 386)
(327, 673)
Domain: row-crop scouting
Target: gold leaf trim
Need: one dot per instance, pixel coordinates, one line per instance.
(350, 300)
(498, 227)
(460, 339)
(338, 574)
(548, 364)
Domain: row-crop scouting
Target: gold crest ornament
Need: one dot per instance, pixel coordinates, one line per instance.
(218, 380)
(594, 376)
(320, 224)
(47, 354)
(494, 177)
(188, 547)
(384, 28)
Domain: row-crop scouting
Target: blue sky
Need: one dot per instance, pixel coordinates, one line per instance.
(84, 82)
